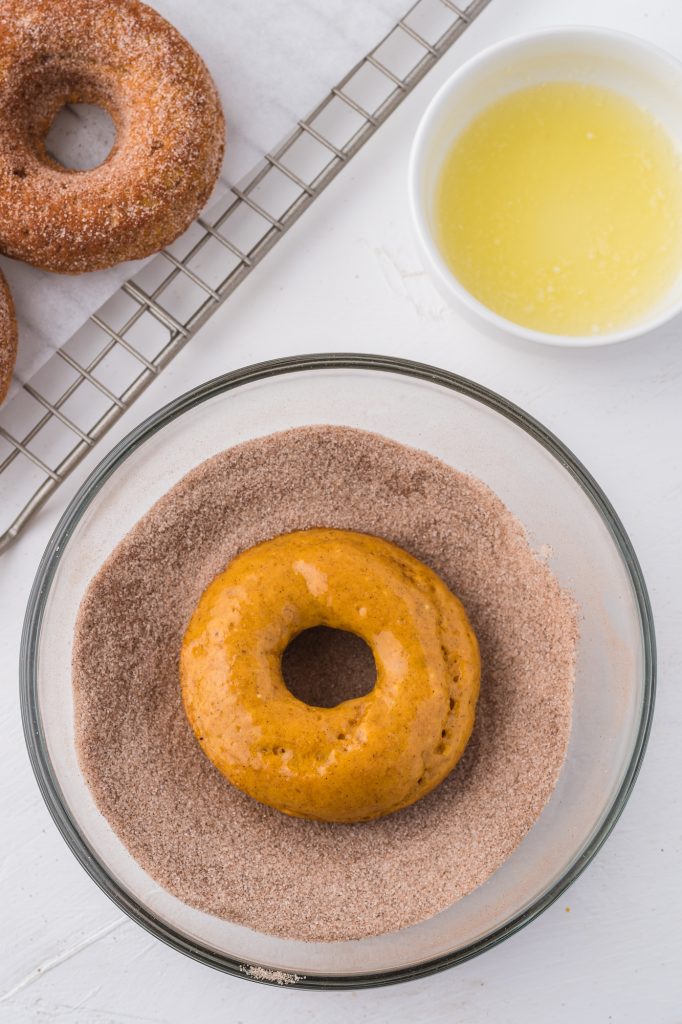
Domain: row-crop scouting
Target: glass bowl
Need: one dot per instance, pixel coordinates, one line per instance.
(562, 509)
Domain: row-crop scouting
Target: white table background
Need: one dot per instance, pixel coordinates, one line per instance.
(347, 278)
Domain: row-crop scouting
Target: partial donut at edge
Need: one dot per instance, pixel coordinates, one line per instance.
(8, 337)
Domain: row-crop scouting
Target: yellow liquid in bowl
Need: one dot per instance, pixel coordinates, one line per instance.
(560, 208)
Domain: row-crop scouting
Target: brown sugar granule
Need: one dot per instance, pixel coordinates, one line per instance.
(216, 848)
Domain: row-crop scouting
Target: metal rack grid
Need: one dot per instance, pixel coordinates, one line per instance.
(59, 415)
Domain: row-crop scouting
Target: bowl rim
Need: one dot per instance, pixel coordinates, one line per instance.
(430, 251)
(28, 676)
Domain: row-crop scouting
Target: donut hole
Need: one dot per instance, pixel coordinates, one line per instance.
(81, 136)
(324, 667)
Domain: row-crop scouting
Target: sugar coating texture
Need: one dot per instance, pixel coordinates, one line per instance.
(123, 56)
(217, 849)
(8, 337)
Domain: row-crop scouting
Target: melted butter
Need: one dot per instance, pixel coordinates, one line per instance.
(560, 208)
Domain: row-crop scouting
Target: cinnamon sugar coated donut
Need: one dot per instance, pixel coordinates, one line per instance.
(8, 337)
(123, 56)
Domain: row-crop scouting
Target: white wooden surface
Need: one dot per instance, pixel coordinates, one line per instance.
(347, 278)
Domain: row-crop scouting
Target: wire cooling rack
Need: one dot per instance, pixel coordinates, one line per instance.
(59, 415)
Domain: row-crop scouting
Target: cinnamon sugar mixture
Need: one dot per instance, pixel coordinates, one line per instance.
(219, 850)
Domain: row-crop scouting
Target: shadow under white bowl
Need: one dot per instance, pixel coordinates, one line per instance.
(615, 60)
(469, 428)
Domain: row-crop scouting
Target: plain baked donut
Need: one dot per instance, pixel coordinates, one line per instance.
(123, 56)
(367, 756)
(8, 337)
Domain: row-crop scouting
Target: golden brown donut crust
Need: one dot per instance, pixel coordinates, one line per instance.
(8, 337)
(123, 56)
(370, 755)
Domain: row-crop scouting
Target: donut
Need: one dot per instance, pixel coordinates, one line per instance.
(363, 758)
(123, 56)
(8, 337)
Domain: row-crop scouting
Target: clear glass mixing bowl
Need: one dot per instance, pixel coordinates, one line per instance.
(560, 506)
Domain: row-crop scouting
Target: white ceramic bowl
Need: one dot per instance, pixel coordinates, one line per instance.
(615, 60)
